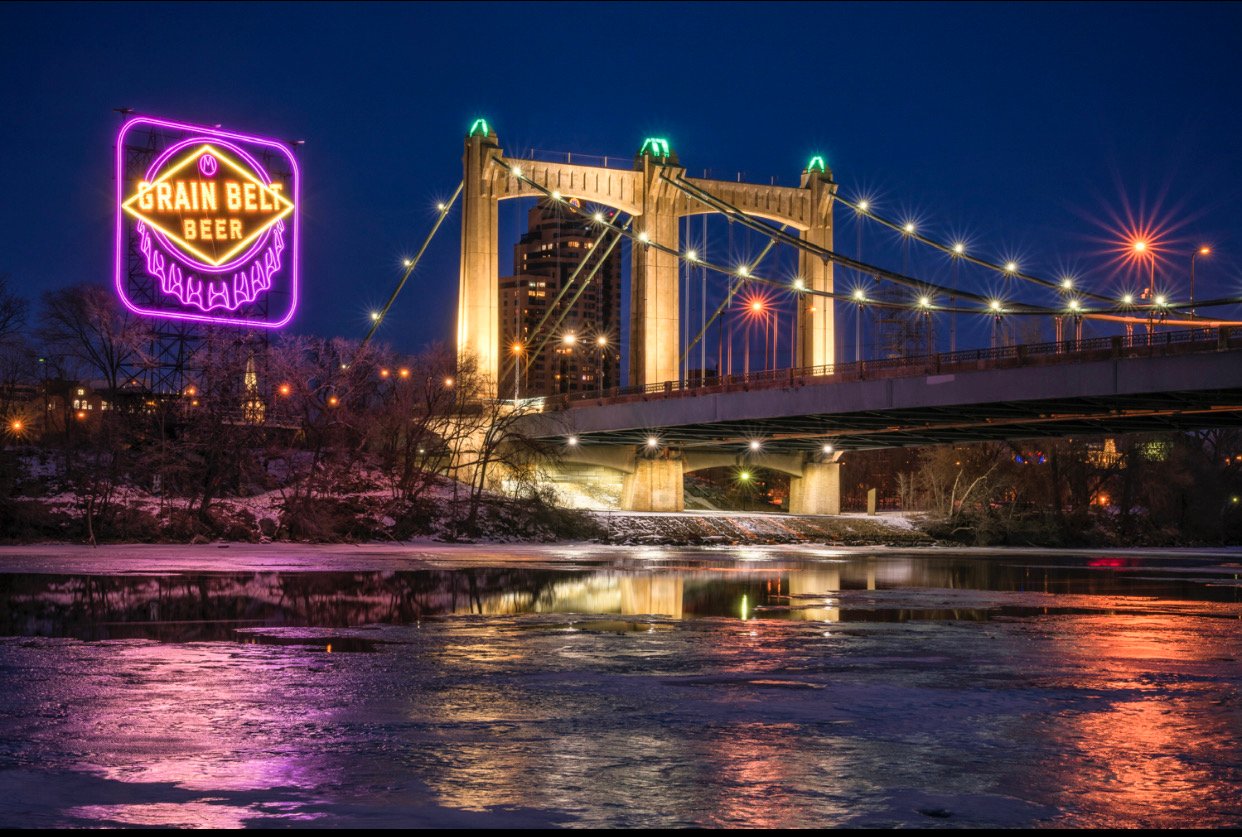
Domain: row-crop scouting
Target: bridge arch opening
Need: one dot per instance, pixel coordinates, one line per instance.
(745, 488)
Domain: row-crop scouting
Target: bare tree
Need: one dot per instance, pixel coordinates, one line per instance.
(13, 309)
(85, 323)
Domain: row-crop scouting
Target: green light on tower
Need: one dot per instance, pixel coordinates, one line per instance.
(817, 164)
(659, 147)
(479, 127)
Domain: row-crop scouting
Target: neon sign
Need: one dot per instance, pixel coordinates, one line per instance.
(207, 226)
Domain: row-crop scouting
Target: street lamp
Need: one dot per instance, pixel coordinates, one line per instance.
(601, 345)
(567, 340)
(860, 297)
(517, 366)
(1202, 251)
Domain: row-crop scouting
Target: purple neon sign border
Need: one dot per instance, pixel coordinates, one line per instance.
(295, 272)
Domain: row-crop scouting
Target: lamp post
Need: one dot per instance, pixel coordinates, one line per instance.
(568, 342)
(1141, 250)
(1202, 251)
(517, 367)
(601, 344)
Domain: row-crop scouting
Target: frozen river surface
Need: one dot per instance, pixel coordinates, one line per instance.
(584, 687)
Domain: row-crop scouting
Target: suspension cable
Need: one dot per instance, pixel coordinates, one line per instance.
(445, 208)
(994, 307)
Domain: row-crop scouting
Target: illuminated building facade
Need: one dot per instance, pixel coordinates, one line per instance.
(585, 344)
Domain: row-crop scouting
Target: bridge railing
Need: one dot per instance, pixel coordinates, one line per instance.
(606, 161)
(1001, 357)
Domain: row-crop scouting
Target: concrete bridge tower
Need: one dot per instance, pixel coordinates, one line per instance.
(650, 193)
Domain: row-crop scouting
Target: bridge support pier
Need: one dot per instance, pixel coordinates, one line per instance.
(656, 485)
(818, 490)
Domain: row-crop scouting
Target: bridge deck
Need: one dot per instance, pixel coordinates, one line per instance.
(1171, 381)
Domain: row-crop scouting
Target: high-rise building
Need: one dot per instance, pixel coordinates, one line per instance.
(582, 329)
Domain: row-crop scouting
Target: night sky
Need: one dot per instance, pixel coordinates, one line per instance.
(1039, 131)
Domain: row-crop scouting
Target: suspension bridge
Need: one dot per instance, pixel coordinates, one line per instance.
(802, 404)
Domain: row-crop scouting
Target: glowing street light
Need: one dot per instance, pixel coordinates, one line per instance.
(406, 262)
(827, 449)
(569, 339)
(556, 196)
(375, 315)
(995, 305)
(743, 271)
(1067, 283)
(692, 255)
(333, 401)
(403, 372)
(653, 442)
(859, 295)
(744, 476)
(517, 348)
(799, 284)
(959, 248)
(285, 390)
(601, 341)
(755, 444)
(924, 302)
(1074, 305)
(864, 205)
(599, 217)
(384, 373)
(441, 206)
(517, 171)
(908, 229)
(643, 237)
(1011, 267)
(572, 441)
(1203, 250)
(1127, 299)
(448, 382)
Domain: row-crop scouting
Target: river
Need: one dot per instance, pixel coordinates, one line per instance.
(607, 686)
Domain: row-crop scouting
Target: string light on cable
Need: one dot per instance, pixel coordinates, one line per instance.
(986, 304)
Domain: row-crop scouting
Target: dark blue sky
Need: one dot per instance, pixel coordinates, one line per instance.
(1025, 126)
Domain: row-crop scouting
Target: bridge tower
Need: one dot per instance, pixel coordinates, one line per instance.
(650, 193)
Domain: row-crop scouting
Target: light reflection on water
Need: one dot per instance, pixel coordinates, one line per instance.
(856, 690)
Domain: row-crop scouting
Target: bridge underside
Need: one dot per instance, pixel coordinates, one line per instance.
(1102, 396)
(794, 419)
(870, 429)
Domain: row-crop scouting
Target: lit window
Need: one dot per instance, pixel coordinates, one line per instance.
(81, 392)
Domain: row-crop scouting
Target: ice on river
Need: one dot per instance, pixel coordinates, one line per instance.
(589, 688)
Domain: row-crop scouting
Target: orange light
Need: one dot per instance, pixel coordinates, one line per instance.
(756, 306)
(403, 372)
(285, 389)
(384, 373)
(16, 426)
(1205, 250)
(81, 415)
(191, 391)
(194, 403)
(1139, 246)
(448, 382)
(516, 348)
(333, 401)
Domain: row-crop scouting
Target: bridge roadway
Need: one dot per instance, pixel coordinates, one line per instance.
(1170, 381)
